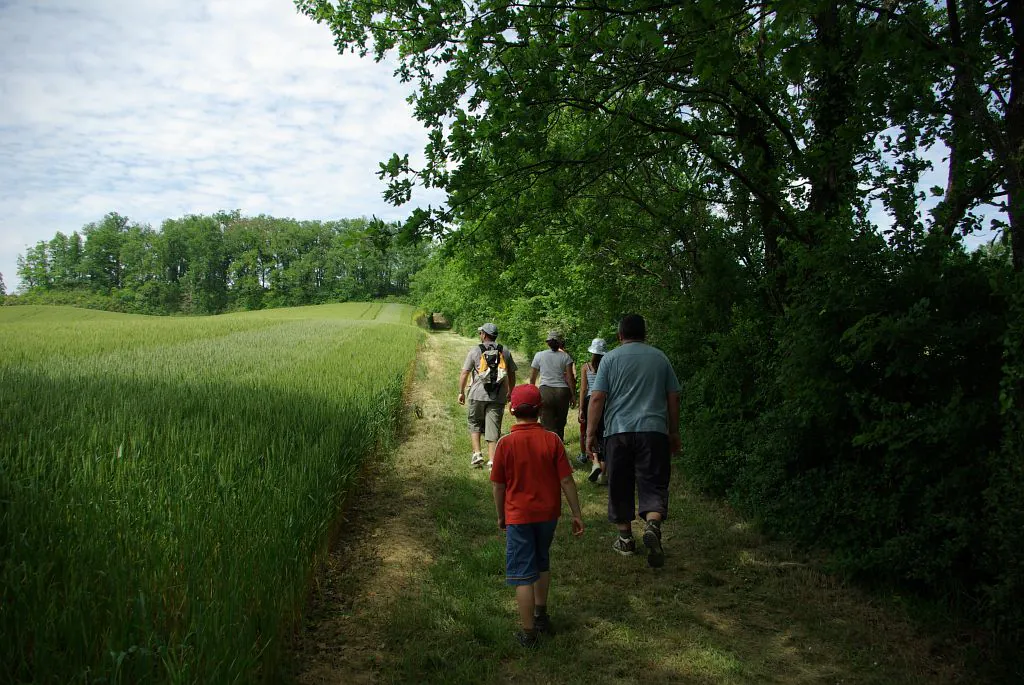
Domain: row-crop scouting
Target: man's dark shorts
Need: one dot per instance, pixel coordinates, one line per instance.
(639, 462)
(527, 551)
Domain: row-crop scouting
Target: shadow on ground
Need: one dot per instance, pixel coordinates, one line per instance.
(417, 593)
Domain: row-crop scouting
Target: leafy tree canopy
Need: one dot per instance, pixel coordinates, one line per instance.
(205, 264)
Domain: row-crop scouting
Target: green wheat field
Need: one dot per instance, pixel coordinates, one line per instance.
(167, 485)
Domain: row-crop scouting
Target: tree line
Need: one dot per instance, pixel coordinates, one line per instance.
(207, 264)
(720, 166)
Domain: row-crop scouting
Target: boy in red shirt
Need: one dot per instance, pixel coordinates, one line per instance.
(530, 466)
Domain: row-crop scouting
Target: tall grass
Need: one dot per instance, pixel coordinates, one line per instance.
(166, 484)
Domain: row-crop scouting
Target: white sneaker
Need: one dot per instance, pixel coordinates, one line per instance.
(477, 461)
(490, 463)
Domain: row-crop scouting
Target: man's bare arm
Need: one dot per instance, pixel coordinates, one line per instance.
(594, 413)
(674, 440)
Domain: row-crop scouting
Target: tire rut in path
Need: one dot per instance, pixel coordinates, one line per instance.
(384, 546)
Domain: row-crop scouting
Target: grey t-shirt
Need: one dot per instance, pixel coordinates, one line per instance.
(637, 378)
(476, 390)
(552, 366)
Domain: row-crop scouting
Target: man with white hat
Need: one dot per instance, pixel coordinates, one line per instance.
(493, 372)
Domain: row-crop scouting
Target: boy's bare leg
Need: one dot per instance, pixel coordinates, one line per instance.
(524, 598)
(540, 589)
(475, 439)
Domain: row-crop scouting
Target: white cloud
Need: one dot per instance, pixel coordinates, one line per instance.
(160, 108)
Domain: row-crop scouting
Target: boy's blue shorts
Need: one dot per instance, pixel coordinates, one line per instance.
(526, 551)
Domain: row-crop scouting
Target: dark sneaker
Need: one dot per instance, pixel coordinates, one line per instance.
(527, 640)
(595, 473)
(652, 541)
(624, 547)
(542, 625)
(583, 458)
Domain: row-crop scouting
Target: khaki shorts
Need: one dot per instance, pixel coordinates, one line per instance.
(485, 417)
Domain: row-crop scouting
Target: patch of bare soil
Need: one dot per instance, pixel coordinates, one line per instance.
(383, 548)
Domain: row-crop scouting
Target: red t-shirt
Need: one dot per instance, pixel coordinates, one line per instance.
(531, 462)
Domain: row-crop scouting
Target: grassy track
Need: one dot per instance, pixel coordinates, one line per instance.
(415, 593)
(167, 484)
(395, 313)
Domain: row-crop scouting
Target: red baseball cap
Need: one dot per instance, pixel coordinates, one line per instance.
(526, 394)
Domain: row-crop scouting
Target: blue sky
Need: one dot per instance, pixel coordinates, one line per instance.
(159, 108)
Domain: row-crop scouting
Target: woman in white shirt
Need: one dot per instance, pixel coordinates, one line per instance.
(557, 374)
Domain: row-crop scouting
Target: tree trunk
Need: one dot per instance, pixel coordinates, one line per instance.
(958, 197)
(1015, 137)
(833, 177)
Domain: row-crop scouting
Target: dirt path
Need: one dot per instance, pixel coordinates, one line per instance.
(414, 591)
(385, 544)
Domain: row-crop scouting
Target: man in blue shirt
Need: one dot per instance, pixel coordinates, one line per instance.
(637, 393)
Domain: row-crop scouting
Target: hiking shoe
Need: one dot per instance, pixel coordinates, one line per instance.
(652, 541)
(583, 458)
(595, 473)
(477, 461)
(626, 548)
(542, 625)
(527, 640)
